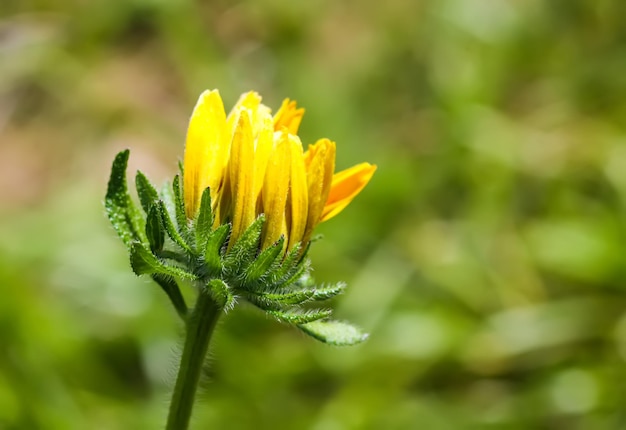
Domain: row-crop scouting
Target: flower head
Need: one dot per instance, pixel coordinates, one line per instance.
(240, 225)
(254, 163)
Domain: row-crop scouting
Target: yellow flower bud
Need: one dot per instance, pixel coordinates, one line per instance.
(254, 164)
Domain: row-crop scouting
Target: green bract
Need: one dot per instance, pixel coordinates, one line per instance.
(164, 244)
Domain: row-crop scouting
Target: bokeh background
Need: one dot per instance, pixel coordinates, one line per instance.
(486, 258)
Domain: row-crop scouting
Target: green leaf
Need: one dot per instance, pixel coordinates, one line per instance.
(179, 205)
(204, 222)
(171, 229)
(220, 292)
(334, 332)
(121, 211)
(300, 317)
(212, 252)
(154, 229)
(170, 286)
(264, 262)
(146, 192)
(143, 262)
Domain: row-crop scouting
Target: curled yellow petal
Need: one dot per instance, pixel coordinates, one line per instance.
(288, 116)
(310, 153)
(345, 187)
(274, 192)
(241, 175)
(206, 150)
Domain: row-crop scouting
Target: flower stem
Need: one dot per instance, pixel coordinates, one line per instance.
(200, 325)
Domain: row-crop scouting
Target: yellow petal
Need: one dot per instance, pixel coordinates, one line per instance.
(259, 119)
(345, 187)
(288, 116)
(319, 177)
(206, 150)
(251, 101)
(263, 149)
(241, 174)
(223, 203)
(298, 201)
(274, 192)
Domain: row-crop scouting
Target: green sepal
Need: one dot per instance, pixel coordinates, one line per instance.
(295, 274)
(243, 252)
(167, 195)
(170, 287)
(325, 293)
(300, 317)
(171, 229)
(220, 292)
(120, 210)
(204, 222)
(304, 252)
(279, 299)
(179, 205)
(306, 282)
(334, 332)
(212, 251)
(263, 263)
(179, 257)
(288, 298)
(146, 192)
(261, 302)
(285, 269)
(154, 229)
(143, 262)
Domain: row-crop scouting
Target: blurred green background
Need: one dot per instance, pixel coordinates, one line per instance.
(486, 258)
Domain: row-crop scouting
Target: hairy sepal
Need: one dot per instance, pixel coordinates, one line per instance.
(298, 316)
(146, 192)
(244, 251)
(143, 262)
(171, 230)
(179, 207)
(261, 266)
(120, 209)
(204, 221)
(154, 230)
(221, 293)
(216, 242)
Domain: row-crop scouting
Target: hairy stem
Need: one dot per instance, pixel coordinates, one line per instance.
(200, 326)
